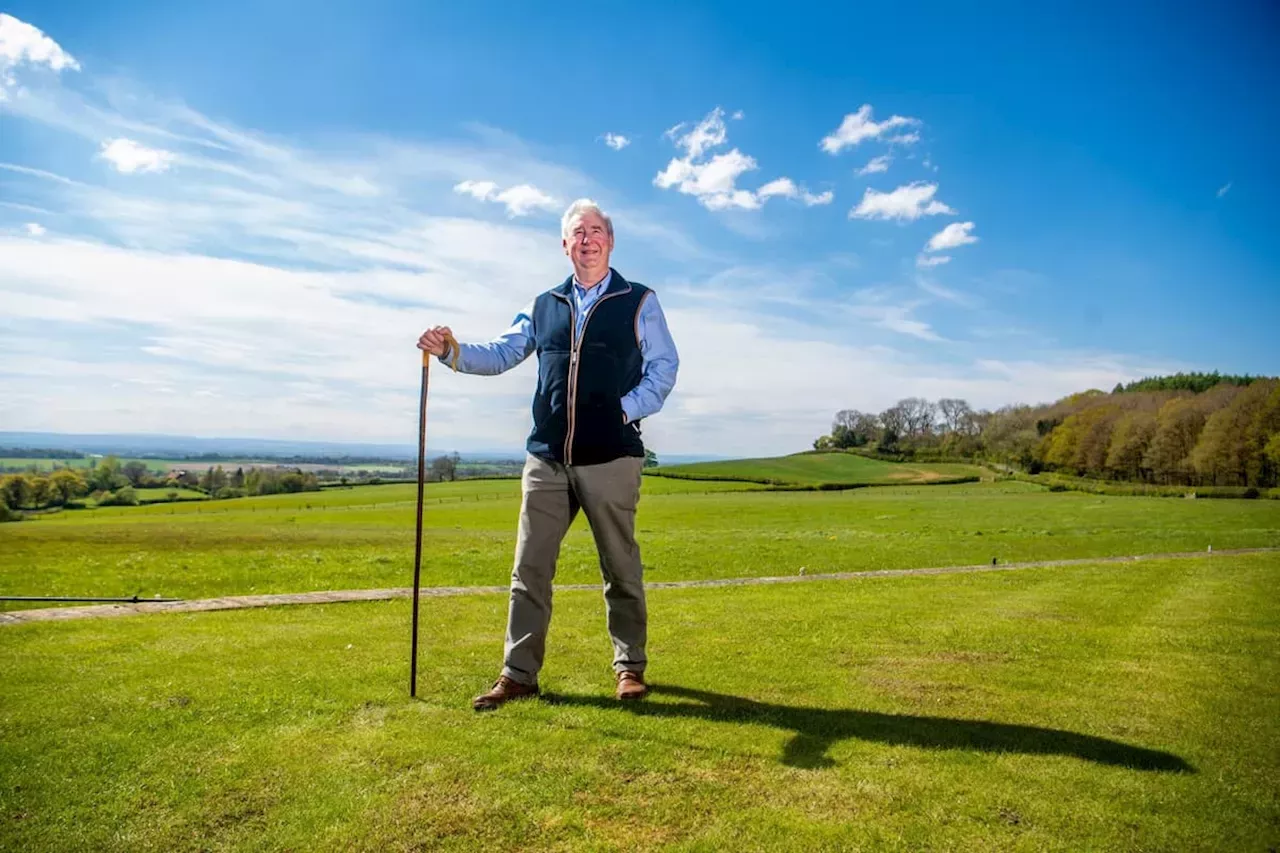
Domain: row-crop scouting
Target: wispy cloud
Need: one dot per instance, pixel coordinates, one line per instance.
(787, 188)
(860, 126)
(39, 173)
(906, 203)
(616, 141)
(897, 318)
(925, 261)
(876, 164)
(713, 179)
(128, 156)
(1224, 189)
(953, 236)
(945, 293)
(34, 229)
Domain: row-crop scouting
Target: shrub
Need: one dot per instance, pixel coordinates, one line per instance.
(7, 514)
(123, 496)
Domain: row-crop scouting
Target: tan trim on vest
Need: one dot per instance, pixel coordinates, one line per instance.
(636, 322)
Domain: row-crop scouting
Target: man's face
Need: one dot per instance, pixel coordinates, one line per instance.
(588, 245)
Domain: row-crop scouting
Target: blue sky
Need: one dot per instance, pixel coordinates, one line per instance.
(234, 220)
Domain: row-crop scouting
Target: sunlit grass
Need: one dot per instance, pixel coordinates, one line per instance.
(363, 537)
(1107, 707)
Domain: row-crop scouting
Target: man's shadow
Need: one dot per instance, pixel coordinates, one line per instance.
(816, 729)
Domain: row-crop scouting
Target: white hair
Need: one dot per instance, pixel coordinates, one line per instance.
(577, 210)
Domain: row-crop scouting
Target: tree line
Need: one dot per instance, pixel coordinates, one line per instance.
(112, 483)
(1194, 382)
(1225, 435)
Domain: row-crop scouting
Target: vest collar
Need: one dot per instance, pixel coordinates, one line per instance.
(617, 285)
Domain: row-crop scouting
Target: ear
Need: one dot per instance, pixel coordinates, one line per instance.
(564, 244)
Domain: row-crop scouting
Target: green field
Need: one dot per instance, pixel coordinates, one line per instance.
(26, 463)
(1129, 705)
(824, 469)
(363, 537)
(162, 494)
(1108, 707)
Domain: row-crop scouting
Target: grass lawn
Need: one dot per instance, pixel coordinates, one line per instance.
(85, 462)
(817, 469)
(162, 494)
(1094, 707)
(363, 537)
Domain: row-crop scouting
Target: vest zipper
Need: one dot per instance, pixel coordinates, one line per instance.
(575, 356)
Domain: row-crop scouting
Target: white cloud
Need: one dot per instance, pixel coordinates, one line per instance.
(520, 200)
(906, 203)
(932, 261)
(34, 229)
(708, 133)
(21, 43)
(523, 199)
(781, 186)
(479, 190)
(787, 188)
(876, 164)
(713, 180)
(128, 156)
(1224, 189)
(616, 141)
(953, 236)
(859, 126)
(905, 139)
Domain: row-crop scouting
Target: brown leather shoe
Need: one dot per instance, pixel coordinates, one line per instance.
(631, 686)
(503, 690)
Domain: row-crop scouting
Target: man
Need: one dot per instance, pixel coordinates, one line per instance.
(605, 361)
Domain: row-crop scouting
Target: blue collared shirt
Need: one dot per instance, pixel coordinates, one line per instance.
(661, 362)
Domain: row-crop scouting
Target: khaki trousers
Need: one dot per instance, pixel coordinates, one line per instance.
(552, 495)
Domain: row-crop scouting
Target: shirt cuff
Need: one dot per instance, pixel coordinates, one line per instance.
(630, 411)
(449, 357)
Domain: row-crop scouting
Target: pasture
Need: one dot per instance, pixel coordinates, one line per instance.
(363, 537)
(1116, 706)
(825, 469)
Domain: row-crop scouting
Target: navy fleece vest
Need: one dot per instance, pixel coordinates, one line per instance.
(577, 409)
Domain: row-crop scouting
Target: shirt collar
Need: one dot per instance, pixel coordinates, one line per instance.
(603, 285)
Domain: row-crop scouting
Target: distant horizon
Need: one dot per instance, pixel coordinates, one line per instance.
(159, 443)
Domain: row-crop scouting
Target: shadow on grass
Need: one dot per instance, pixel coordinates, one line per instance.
(816, 729)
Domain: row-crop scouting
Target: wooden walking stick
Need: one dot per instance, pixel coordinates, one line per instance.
(422, 480)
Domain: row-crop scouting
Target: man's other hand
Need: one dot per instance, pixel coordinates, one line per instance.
(433, 340)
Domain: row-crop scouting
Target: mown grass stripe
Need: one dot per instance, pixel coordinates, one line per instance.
(240, 602)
